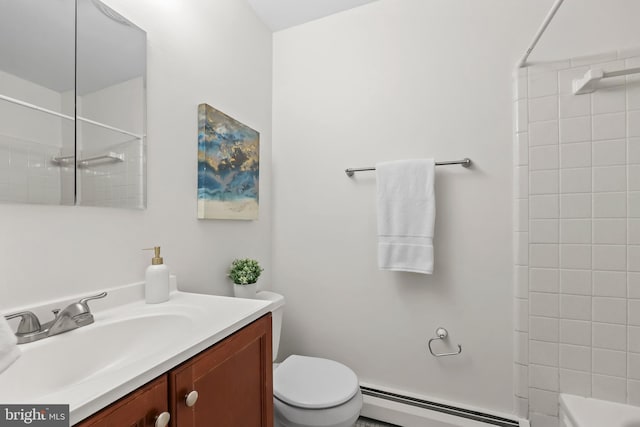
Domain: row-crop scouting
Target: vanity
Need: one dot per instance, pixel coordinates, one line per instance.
(195, 360)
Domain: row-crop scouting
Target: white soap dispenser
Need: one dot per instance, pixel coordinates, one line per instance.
(156, 279)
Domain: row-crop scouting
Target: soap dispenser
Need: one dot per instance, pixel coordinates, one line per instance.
(156, 279)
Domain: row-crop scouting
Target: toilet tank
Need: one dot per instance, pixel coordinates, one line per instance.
(277, 307)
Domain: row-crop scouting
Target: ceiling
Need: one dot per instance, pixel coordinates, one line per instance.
(281, 14)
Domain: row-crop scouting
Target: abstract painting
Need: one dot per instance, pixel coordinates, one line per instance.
(228, 167)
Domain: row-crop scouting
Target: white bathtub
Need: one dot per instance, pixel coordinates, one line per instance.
(577, 411)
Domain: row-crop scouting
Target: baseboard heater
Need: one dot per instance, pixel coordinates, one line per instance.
(439, 407)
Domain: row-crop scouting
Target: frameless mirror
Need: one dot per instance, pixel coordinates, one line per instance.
(110, 108)
(72, 104)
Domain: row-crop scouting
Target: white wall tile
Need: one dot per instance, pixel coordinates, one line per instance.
(575, 382)
(633, 236)
(575, 307)
(610, 231)
(633, 253)
(578, 205)
(608, 153)
(633, 340)
(575, 155)
(575, 231)
(634, 123)
(610, 337)
(575, 180)
(610, 284)
(520, 112)
(544, 280)
(608, 362)
(575, 332)
(543, 84)
(521, 279)
(633, 392)
(576, 282)
(609, 388)
(545, 231)
(521, 246)
(544, 108)
(634, 204)
(610, 310)
(521, 182)
(543, 255)
(521, 406)
(540, 420)
(575, 256)
(543, 304)
(609, 126)
(543, 182)
(521, 149)
(574, 106)
(610, 179)
(575, 129)
(633, 150)
(543, 402)
(633, 366)
(521, 379)
(544, 377)
(609, 100)
(546, 206)
(634, 177)
(609, 205)
(544, 157)
(633, 96)
(543, 353)
(575, 357)
(543, 133)
(634, 312)
(633, 285)
(544, 329)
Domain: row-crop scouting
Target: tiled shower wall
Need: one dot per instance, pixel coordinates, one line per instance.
(577, 236)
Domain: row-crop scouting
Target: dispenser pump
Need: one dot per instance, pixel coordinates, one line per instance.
(157, 259)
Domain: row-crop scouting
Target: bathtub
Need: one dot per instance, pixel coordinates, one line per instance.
(576, 411)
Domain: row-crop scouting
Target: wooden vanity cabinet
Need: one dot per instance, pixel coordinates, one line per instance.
(233, 378)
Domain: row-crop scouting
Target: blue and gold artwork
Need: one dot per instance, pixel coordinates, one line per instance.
(228, 167)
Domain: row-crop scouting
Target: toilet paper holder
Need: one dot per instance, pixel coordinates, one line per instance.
(442, 334)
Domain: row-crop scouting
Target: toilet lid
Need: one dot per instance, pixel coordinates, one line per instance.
(311, 382)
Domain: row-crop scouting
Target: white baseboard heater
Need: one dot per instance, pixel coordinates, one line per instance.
(468, 414)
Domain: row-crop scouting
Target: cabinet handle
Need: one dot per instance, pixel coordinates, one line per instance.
(162, 420)
(191, 398)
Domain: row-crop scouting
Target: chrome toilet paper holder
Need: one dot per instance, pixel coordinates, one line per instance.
(442, 334)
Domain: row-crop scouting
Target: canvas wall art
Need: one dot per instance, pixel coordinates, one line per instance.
(228, 167)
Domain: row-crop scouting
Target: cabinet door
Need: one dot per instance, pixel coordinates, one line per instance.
(234, 381)
(138, 409)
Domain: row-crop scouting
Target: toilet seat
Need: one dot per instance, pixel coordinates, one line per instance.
(314, 383)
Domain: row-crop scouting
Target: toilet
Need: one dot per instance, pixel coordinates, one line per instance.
(310, 391)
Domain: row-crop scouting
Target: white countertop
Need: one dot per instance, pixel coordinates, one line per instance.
(127, 346)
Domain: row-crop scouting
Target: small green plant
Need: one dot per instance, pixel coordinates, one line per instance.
(245, 271)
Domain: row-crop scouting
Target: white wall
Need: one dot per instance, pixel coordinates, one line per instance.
(199, 51)
(410, 79)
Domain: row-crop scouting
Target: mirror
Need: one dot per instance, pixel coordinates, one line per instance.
(72, 108)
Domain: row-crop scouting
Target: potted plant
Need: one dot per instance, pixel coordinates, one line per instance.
(244, 273)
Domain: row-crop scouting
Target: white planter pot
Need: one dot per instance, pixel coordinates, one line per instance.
(245, 291)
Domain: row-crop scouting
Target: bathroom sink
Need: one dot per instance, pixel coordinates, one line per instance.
(126, 347)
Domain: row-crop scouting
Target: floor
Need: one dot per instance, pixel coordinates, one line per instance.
(367, 422)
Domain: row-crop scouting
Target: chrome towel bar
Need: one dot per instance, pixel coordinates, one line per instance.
(466, 162)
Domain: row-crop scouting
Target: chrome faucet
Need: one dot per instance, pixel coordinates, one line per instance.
(75, 315)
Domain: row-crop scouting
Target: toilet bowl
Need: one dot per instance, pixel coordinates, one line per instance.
(310, 391)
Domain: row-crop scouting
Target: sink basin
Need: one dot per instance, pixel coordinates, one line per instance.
(127, 346)
(49, 364)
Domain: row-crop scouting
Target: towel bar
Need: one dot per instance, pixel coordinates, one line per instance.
(466, 162)
(442, 334)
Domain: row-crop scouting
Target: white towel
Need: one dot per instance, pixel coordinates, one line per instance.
(406, 215)
(9, 351)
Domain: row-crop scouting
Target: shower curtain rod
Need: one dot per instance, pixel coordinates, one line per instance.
(523, 62)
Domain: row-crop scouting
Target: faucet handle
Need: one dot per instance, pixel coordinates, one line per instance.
(99, 296)
(29, 322)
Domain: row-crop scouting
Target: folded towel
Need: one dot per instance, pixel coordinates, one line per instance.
(406, 215)
(9, 351)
